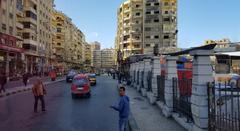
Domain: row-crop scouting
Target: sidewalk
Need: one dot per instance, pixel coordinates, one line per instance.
(149, 117)
(12, 84)
(22, 88)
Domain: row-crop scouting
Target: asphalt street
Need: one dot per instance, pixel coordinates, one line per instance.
(63, 113)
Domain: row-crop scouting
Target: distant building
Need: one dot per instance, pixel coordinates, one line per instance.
(95, 45)
(223, 43)
(107, 59)
(145, 24)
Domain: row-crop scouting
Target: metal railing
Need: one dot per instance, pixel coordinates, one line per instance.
(161, 87)
(224, 107)
(182, 90)
(149, 81)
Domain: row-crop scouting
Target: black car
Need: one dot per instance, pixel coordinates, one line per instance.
(70, 75)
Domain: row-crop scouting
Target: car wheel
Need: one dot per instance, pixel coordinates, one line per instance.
(73, 96)
(89, 95)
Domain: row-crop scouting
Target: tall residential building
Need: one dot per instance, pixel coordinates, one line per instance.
(44, 36)
(95, 48)
(96, 59)
(223, 43)
(145, 24)
(11, 52)
(68, 42)
(95, 45)
(88, 55)
(107, 58)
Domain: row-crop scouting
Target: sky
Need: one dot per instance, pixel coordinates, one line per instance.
(198, 20)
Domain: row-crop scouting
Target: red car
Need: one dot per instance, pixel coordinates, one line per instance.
(80, 86)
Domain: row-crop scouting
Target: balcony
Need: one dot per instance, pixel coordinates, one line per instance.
(28, 19)
(136, 40)
(19, 13)
(28, 41)
(34, 1)
(19, 25)
(29, 8)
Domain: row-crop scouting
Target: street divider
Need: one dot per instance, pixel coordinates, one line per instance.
(24, 89)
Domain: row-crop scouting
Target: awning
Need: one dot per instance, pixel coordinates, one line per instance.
(9, 48)
(236, 53)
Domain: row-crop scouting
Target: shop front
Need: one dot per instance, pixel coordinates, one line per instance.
(11, 62)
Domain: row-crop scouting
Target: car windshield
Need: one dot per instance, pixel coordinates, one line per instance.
(80, 81)
(72, 73)
(92, 76)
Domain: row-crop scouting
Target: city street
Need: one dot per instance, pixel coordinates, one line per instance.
(63, 113)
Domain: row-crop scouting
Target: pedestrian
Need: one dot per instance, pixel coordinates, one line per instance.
(39, 92)
(123, 108)
(25, 78)
(3, 81)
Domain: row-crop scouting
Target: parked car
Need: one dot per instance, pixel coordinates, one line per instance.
(70, 75)
(80, 86)
(92, 79)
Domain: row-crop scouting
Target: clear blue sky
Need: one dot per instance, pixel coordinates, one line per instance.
(198, 20)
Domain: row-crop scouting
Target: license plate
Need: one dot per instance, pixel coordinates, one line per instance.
(80, 88)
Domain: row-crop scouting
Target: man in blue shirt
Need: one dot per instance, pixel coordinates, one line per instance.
(123, 108)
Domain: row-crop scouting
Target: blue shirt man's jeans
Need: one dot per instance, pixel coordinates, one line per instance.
(123, 122)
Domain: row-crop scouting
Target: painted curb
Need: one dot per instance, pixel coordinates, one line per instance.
(26, 89)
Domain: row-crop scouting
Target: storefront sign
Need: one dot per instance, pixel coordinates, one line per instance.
(10, 48)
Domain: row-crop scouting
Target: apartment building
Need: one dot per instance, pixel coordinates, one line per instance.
(95, 48)
(68, 42)
(107, 58)
(88, 55)
(145, 24)
(58, 39)
(44, 36)
(11, 52)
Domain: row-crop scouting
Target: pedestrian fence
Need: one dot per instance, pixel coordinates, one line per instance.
(182, 90)
(223, 107)
(149, 81)
(142, 79)
(138, 77)
(161, 88)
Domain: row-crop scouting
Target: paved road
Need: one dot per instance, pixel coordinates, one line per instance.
(63, 113)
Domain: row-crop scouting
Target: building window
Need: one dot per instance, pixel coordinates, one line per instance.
(3, 11)
(156, 36)
(31, 14)
(165, 12)
(147, 45)
(166, 4)
(10, 30)
(26, 35)
(148, 4)
(59, 44)
(166, 37)
(148, 37)
(156, 12)
(59, 30)
(156, 20)
(138, 14)
(10, 15)
(148, 12)
(137, 6)
(147, 29)
(156, 3)
(147, 21)
(4, 27)
(58, 37)
(166, 19)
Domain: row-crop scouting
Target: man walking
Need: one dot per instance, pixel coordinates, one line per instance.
(25, 78)
(38, 92)
(123, 108)
(3, 81)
